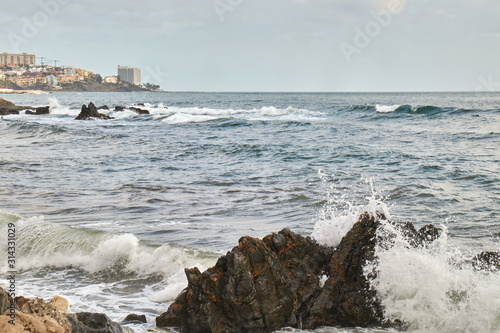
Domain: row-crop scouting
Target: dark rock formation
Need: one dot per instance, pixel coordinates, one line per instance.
(139, 110)
(39, 110)
(135, 318)
(486, 261)
(346, 299)
(119, 108)
(90, 113)
(286, 280)
(104, 107)
(86, 322)
(7, 108)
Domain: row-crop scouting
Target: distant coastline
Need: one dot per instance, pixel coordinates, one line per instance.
(19, 72)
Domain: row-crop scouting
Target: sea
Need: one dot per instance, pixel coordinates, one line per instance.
(109, 213)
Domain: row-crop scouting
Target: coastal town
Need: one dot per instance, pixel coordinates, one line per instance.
(21, 72)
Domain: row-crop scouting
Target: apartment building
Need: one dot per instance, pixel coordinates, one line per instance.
(8, 59)
(129, 74)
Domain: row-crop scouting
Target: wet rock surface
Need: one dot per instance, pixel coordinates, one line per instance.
(90, 112)
(286, 280)
(263, 285)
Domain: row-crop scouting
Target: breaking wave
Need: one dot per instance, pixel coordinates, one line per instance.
(434, 288)
(42, 245)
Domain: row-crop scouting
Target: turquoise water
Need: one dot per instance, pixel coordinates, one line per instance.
(110, 212)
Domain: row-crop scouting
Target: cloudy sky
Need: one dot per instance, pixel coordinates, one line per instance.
(268, 45)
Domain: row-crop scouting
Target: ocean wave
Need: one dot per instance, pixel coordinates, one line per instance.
(409, 109)
(187, 114)
(41, 244)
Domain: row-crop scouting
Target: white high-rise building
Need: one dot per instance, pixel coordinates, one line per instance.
(129, 74)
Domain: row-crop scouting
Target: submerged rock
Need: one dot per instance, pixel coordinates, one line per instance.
(90, 112)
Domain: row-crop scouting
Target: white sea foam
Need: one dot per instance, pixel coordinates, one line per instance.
(56, 108)
(433, 289)
(272, 111)
(181, 118)
(386, 108)
(125, 114)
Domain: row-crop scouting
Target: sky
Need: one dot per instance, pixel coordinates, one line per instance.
(268, 45)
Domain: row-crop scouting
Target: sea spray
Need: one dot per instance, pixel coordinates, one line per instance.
(341, 210)
(433, 288)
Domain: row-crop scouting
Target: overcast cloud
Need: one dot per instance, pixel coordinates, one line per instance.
(263, 45)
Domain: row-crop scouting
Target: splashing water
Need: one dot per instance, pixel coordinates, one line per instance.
(433, 288)
(340, 212)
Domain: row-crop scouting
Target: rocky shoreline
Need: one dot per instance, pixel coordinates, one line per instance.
(89, 112)
(262, 285)
(21, 314)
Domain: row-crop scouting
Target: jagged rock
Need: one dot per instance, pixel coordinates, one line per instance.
(90, 112)
(119, 108)
(139, 111)
(86, 322)
(260, 286)
(286, 280)
(104, 107)
(346, 299)
(135, 318)
(7, 108)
